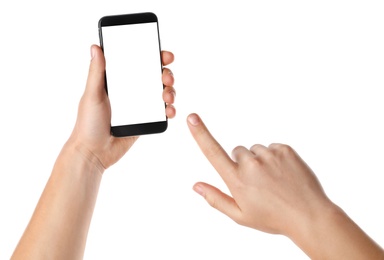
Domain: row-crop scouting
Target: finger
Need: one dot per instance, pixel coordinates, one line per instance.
(95, 87)
(169, 95)
(167, 57)
(211, 148)
(280, 147)
(240, 153)
(259, 149)
(283, 151)
(170, 111)
(167, 77)
(218, 200)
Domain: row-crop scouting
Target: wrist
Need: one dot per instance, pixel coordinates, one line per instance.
(313, 228)
(331, 234)
(85, 156)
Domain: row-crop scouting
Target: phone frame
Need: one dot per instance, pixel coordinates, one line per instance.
(126, 19)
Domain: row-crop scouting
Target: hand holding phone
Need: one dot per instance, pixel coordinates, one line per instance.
(132, 51)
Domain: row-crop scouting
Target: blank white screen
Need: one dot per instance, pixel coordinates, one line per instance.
(133, 70)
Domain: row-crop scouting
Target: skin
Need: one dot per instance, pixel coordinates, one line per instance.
(68, 200)
(273, 190)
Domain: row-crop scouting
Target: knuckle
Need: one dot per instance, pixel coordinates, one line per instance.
(282, 150)
(254, 147)
(275, 146)
(212, 202)
(268, 156)
(286, 150)
(262, 154)
(236, 150)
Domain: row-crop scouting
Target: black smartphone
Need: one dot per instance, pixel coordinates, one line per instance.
(133, 78)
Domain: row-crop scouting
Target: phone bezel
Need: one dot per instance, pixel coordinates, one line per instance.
(124, 19)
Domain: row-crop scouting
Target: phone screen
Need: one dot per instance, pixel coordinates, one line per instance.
(133, 73)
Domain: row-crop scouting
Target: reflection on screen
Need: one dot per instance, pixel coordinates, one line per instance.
(133, 70)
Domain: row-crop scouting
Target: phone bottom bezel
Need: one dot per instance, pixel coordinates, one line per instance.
(139, 129)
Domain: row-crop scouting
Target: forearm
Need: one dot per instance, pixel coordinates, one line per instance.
(333, 235)
(60, 223)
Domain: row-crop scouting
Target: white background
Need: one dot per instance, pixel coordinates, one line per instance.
(305, 73)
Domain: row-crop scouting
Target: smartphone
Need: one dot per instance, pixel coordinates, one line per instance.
(133, 77)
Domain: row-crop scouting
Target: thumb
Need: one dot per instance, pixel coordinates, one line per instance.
(219, 200)
(95, 87)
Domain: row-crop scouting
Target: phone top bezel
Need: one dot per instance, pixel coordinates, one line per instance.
(123, 19)
(126, 19)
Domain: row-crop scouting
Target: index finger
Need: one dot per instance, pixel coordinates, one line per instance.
(211, 148)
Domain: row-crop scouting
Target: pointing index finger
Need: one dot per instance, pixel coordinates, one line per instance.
(211, 148)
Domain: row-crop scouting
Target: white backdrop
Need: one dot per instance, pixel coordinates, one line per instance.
(306, 73)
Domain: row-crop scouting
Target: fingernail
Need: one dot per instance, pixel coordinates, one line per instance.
(193, 119)
(198, 189)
